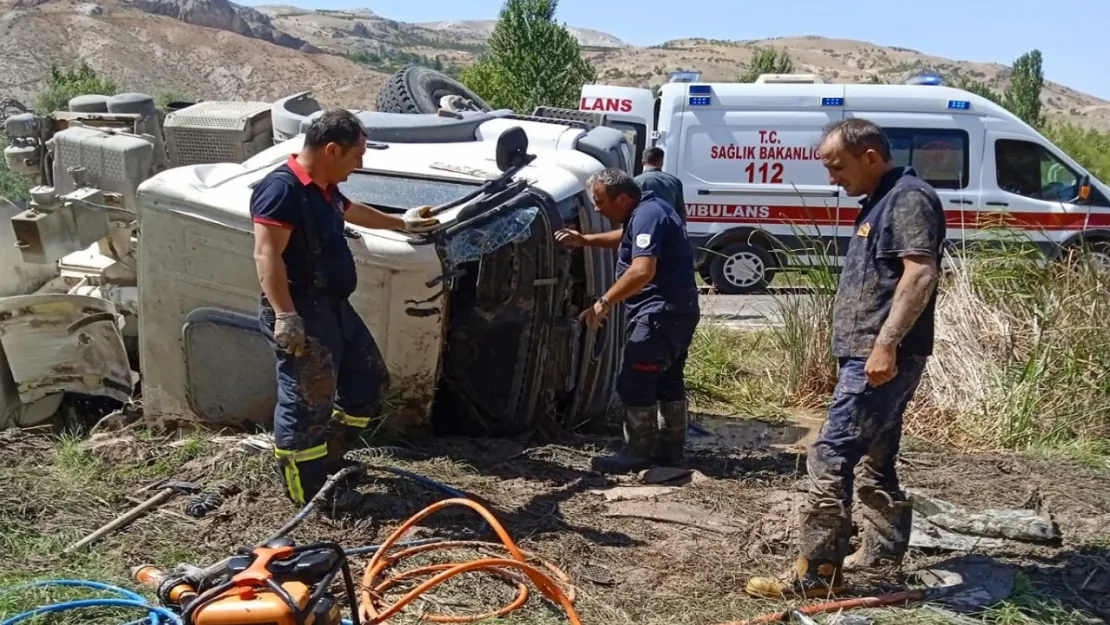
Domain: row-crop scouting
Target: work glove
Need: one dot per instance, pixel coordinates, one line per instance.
(289, 333)
(417, 219)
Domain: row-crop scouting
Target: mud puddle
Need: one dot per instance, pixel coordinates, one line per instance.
(715, 432)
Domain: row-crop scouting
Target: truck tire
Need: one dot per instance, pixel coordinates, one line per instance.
(740, 268)
(414, 89)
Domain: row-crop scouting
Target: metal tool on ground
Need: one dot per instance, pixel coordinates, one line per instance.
(168, 490)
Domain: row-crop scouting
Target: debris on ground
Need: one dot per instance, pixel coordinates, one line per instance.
(939, 524)
(681, 514)
(980, 582)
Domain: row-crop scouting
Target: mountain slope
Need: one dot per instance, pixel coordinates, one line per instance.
(216, 49)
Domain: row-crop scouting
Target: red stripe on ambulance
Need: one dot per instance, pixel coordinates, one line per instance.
(763, 214)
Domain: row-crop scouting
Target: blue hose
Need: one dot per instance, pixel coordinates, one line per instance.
(130, 600)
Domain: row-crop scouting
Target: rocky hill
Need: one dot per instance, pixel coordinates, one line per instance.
(217, 49)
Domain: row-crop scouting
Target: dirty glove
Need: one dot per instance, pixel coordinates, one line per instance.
(289, 332)
(418, 220)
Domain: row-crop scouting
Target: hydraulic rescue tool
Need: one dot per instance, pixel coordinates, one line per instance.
(277, 584)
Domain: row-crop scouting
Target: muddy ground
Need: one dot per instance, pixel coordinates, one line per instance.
(729, 523)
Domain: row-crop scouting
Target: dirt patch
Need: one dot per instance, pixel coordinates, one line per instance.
(628, 568)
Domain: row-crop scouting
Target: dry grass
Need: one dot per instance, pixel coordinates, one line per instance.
(1021, 358)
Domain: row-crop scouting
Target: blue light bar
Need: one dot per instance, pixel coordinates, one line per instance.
(832, 101)
(700, 90)
(701, 101)
(962, 105)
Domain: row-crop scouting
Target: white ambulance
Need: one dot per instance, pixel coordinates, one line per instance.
(758, 200)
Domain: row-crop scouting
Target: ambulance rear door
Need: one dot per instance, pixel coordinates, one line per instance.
(630, 110)
(747, 157)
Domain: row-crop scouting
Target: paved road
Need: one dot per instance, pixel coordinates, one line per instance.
(750, 311)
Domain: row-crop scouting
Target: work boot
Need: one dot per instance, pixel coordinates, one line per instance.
(884, 535)
(807, 580)
(640, 424)
(823, 534)
(671, 440)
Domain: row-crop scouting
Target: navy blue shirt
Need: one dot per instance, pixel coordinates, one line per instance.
(664, 186)
(904, 217)
(277, 200)
(654, 229)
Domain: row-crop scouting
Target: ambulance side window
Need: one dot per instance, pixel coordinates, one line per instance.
(940, 157)
(1028, 169)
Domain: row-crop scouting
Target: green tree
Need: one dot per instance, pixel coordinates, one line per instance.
(63, 85)
(1023, 96)
(532, 60)
(767, 61)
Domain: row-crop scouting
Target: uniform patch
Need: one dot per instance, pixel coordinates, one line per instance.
(643, 240)
(864, 230)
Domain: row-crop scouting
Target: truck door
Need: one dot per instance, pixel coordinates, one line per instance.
(1030, 187)
(946, 150)
(757, 197)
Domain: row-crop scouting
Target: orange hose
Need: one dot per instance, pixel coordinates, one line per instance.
(373, 612)
(845, 604)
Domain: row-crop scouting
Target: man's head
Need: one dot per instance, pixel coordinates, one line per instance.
(615, 194)
(335, 143)
(653, 158)
(856, 154)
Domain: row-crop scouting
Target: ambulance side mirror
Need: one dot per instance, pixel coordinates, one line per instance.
(512, 148)
(1083, 190)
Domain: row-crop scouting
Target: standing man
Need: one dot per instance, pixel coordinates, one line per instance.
(324, 350)
(655, 279)
(883, 319)
(662, 184)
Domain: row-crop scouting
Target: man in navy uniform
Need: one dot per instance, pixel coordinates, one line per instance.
(330, 373)
(655, 281)
(883, 328)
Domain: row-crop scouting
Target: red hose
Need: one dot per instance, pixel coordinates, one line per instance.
(908, 596)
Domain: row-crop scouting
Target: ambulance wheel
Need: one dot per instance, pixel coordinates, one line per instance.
(740, 268)
(415, 89)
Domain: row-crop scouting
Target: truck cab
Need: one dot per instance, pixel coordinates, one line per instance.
(759, 201)
(151, 251)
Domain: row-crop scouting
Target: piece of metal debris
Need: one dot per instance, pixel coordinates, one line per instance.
(940, 524)
(597, 573)
(843, 618)
(986, 582)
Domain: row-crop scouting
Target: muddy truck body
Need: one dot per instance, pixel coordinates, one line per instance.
(130, 274)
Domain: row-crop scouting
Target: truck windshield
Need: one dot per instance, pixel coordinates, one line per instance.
(395, 194)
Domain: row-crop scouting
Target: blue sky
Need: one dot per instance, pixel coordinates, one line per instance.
(1071, 34)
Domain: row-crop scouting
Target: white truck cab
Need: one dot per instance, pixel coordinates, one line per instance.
(156, 291)
(759, 201)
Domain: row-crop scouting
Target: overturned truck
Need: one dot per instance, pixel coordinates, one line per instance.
(131, 272)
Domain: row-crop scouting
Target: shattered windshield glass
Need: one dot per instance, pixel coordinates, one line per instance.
(473, 243)
(396, 193)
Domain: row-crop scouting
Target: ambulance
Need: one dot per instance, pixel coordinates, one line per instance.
(758, 201)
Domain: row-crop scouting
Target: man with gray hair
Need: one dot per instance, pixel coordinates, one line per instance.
(882, 335)
(655, 280)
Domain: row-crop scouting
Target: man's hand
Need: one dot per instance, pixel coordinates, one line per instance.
(882, 365)
(595, 314)
(418, 219)
(571, 238)
(289, 333)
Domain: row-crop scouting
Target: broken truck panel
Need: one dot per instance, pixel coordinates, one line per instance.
(58, 343)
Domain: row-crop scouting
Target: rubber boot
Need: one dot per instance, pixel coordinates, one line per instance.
(639, 436)
(303, 480)
(674, 420)
(884, 534)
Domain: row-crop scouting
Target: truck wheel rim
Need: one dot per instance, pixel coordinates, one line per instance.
(744, 269)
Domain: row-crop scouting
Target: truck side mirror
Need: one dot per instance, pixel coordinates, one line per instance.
(512, 148)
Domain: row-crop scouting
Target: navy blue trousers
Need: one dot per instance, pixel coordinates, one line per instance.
(336, 385)
(654, 363)
(862, 433)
